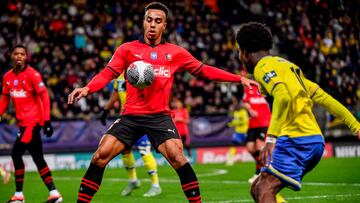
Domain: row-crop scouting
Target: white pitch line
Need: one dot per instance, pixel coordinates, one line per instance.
(214, 172)
(290, 198)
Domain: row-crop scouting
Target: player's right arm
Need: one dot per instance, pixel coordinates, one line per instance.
(273, 84)
(4, 103)
(333, 106)
(5, 98)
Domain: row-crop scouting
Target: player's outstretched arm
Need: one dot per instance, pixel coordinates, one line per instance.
(333, 106)
(217, 74)
(97, 83)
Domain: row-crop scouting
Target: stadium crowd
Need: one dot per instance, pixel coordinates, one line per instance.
(70, 41)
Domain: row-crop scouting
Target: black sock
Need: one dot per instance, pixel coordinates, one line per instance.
(19, 179)
(189, 183)
(47, 178)
(90, 183)
(256, 156)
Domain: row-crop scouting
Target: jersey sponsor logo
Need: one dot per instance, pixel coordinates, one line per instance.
(16, 82)
(162, 71)
(153, 55)
(258, 100)
(18, 93)
(268, 76)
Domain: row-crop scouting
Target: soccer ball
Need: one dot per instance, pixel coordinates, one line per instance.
(140, 74)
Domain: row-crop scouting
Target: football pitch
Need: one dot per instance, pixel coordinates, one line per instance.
(333, 180)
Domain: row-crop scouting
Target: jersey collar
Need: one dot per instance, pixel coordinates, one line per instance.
(142, 40)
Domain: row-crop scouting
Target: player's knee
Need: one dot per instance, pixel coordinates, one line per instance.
(100, 158)
(177, 159)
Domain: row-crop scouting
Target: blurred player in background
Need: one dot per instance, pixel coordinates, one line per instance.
(294, 144)
(240, 122)
(182, 119)
(23, 86)
(147, 111)
(260, 116)
(5, 175)
(143, 145)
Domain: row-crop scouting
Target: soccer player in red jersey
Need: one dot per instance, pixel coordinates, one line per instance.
(147, 111)
(23, 85)
(182, 119)
(260, 116)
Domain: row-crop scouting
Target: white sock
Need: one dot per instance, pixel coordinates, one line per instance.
(54, 193)
(19, 194)
(155, 185)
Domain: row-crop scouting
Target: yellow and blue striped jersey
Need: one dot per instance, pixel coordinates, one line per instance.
(297, 119)
(240, 121)
(119, 87)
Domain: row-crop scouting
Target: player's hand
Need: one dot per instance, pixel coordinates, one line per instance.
(358, 134)
(266, 154)
(249, 83)
(77, 94)
(48, 129)
(253, 113)
(103, 116)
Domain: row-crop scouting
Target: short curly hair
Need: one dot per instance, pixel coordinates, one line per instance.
(158, 6)
(253, 37)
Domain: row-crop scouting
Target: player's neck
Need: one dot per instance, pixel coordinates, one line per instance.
(259, 55)
(18, 69)
(152, 42)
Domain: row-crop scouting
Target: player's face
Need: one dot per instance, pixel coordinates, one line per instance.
(154, 25)
(244, 57)
(18, 56)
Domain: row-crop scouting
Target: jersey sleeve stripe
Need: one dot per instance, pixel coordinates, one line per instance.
(311, 96)
(197, 71)
(273, 87)
(114, 71)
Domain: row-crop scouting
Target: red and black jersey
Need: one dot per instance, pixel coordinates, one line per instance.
(167, 59)
(258, 103)
(26, 90)
(181, 118)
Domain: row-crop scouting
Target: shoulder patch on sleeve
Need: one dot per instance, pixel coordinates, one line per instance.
(268, 76)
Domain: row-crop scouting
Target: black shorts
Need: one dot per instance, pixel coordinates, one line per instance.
(129, 128)
(256, 133)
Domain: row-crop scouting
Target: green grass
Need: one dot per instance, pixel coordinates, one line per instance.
(333, 180)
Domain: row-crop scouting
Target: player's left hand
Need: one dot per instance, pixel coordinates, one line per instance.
(249, 83)
(266, 154)
(48, 129)
(358, 134)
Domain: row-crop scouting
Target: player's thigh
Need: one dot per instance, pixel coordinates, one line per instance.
(172, 150)
(159, 129)
(267, 182)
(108, 148)
(35, 146)
(127, 130)
(19, 147)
